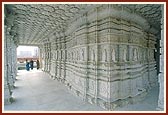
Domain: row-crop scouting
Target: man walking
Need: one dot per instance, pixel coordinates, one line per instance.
(31, 64)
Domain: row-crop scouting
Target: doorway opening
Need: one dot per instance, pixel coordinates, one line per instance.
(27, 54)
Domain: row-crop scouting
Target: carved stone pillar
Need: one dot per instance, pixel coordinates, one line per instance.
(10, 64)
(96, 58)
(161, 74)
(7, 88)
(64, 57)
(84, 58)
(41, 58)
(52, 58)
(45, 56)
(10, 59)
(59, 58)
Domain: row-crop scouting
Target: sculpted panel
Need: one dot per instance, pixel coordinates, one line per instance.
(103, 89)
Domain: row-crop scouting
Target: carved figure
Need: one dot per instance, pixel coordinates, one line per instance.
(113, 55)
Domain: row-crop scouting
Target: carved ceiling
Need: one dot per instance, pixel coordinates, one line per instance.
(152, 12)
(31, 23)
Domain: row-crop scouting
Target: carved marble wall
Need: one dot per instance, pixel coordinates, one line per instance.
(104, 56)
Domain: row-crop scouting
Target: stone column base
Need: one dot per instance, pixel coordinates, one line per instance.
(8, 100)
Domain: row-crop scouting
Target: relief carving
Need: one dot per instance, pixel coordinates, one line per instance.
(56, 55)
(78, 58)
(125, 55)
(91, 85)
(83, 54)
(72, 55)
(135, 54)
(93, 55)
(104, 55)
(63, 54)
(113, 55)
(69, 55)
(103, 89)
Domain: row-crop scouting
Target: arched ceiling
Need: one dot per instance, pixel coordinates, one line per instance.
(31, 23)
(152, 12)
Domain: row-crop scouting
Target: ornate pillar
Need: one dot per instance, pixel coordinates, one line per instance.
(41, 58)
(59, 57)
(45, 55)
(10, 58)
(7, 88)
(56, 56)
(85, 57)
(161, 74)
(52, 59)
(96, 57)
(64, 57)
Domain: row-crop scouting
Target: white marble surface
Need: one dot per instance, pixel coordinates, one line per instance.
(35, 91)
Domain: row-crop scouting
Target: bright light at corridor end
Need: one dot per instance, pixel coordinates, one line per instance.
(27, 51)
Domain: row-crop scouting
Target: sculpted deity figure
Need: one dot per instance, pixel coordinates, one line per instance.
(125, 55)
(104, 55)
(135, 56)
(113, 55)
(77, 55)
(93, 55)
(63, 56)
(56, 55)
(72, 55)
(82, 54)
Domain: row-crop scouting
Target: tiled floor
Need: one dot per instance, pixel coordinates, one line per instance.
(35, 91)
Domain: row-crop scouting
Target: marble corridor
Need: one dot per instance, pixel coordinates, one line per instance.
(108, 55)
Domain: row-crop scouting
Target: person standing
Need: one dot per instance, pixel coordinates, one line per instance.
(38, 64)
(27, 65)
(31, 64)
